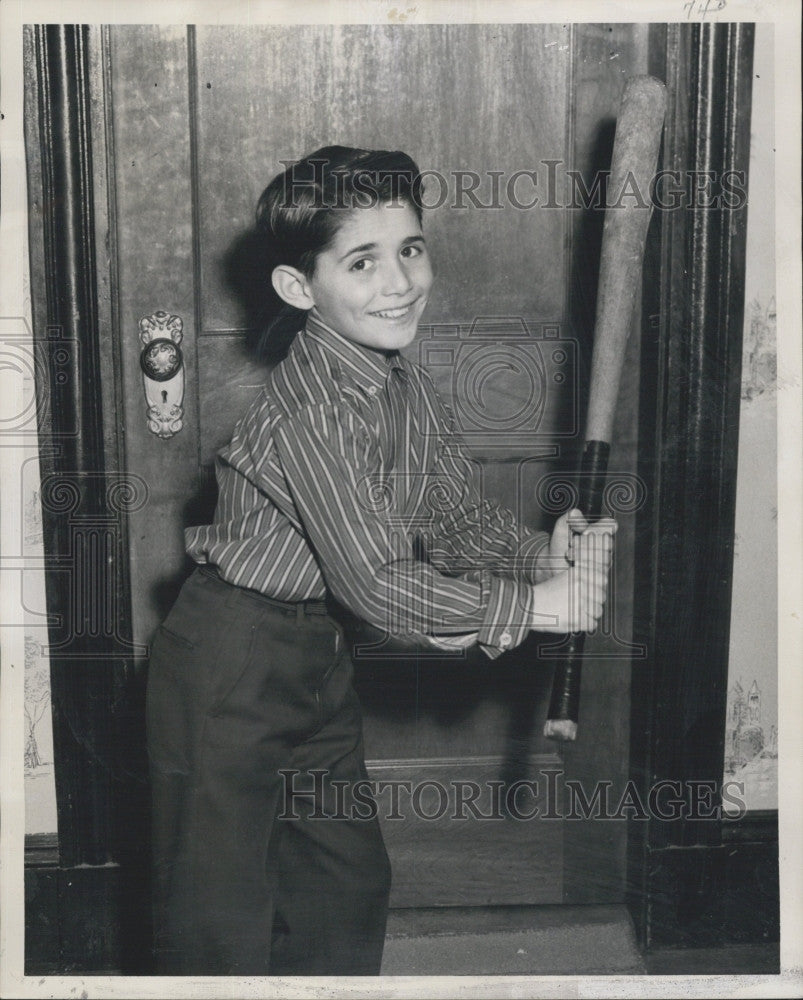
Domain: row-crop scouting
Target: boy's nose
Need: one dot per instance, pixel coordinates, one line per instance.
(397, 280)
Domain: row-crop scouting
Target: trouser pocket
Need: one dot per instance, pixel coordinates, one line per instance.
(283, 661)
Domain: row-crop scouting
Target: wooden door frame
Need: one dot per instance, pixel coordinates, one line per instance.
(88, 895)
(88, 908)
(694, 881)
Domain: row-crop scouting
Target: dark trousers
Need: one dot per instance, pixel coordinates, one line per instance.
(251, 880)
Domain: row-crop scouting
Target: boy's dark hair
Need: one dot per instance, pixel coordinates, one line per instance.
(300, 211)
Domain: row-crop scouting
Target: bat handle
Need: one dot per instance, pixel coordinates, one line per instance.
(564, 704)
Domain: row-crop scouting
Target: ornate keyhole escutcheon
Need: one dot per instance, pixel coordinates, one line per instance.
(162, 366)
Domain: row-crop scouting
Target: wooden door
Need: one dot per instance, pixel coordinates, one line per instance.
(194, 123)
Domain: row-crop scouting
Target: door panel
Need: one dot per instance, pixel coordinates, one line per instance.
(456, 850)
(456, 97)
(200, 120)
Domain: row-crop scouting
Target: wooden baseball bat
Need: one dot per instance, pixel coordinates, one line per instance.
(635, 155)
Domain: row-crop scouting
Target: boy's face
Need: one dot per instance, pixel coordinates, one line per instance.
(372, 283)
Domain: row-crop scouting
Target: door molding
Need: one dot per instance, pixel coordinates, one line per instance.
(93, 896)
(685, 876)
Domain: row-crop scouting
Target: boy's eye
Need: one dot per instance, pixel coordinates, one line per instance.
(412, 250)
(363, 264)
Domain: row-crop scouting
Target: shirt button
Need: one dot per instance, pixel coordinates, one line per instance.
(371, 390)
(505, 639)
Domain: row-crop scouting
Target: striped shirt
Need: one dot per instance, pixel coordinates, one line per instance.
(346, 477)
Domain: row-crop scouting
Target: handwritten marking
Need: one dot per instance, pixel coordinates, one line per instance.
(395, 16)
(702, 8)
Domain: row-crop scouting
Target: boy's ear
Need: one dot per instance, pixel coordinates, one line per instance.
(292, 286)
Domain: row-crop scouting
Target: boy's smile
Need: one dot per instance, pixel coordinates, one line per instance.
(372, 283)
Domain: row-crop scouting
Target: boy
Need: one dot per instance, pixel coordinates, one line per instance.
(345, 495)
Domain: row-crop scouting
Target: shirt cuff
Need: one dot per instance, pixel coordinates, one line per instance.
(507, 620)
(530, 552)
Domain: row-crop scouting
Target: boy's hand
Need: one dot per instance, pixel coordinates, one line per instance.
(560, 544)
(573, 599)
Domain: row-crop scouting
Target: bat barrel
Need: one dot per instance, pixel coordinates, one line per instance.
(629, 208)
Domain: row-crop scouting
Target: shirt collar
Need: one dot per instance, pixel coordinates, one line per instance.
(363, 366)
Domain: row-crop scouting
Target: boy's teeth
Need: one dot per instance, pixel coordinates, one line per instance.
(393, 313)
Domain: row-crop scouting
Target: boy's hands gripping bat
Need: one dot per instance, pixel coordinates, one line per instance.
(635, 154)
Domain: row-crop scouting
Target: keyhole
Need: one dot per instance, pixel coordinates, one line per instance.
(164, 395)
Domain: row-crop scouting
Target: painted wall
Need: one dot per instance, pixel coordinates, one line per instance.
(40, 788)
(751, 735)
